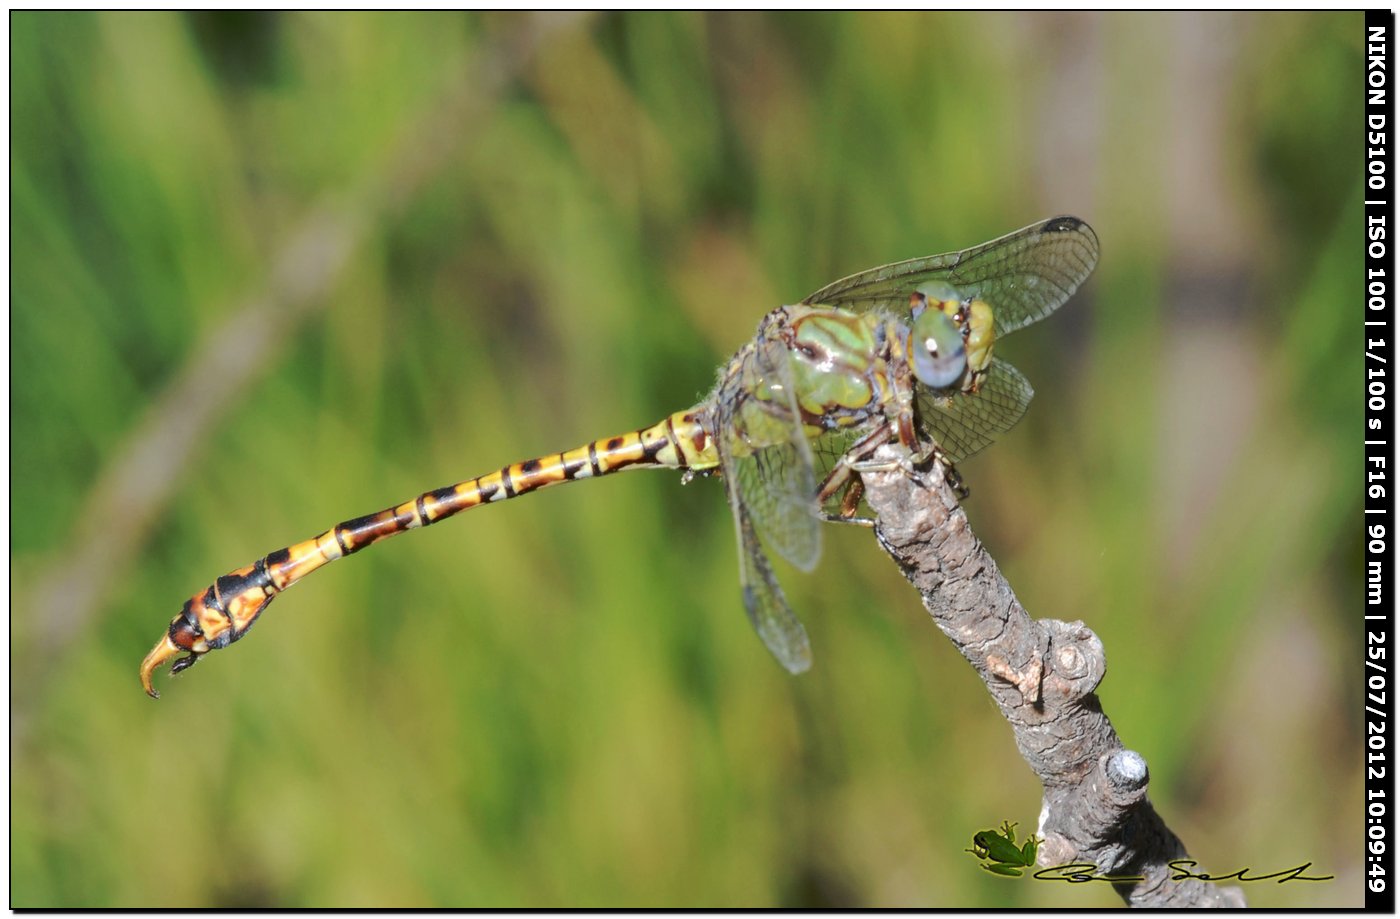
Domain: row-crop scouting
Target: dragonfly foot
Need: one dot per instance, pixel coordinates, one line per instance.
(950, 472)
(909, 464)
(950, 475)
(955, 481)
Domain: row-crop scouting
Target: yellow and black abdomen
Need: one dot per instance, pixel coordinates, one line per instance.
(223, 612)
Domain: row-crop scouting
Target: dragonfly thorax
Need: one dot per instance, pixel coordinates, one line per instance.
(838, 365)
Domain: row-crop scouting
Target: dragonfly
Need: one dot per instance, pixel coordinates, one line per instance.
(898, 354)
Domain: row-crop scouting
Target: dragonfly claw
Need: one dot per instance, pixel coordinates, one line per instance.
(164, 650)
(182, 635)
(184, 663)
(955, 480)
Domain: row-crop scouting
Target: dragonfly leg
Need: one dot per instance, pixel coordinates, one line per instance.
(858, 521)
(850, 501)
(841, 481)
(912, 465)
(955, 481)
(838, 478)
(950, 471)
(905, 463)
(855, 459)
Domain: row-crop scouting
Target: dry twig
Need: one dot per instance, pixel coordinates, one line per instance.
(1042, 675)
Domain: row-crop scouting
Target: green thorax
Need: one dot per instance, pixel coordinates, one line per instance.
(831, 365)
(839, 368)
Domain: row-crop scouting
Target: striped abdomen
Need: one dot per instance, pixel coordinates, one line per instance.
(223, 612)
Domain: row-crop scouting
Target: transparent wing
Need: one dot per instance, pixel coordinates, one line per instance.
(768, 461)
(768, 609)
(964, 423)
(767, 467)
(1024, 276)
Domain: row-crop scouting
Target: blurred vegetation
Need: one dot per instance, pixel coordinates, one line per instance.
(558, 702)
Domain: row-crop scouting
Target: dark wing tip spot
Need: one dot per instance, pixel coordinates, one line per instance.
(1062, 224)
(1066, 223)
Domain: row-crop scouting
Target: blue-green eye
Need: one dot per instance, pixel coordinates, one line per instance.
(936, 351)
(939, 292)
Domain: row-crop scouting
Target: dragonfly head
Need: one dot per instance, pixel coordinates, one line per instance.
(937, 352)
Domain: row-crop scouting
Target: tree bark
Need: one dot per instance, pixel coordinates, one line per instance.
(1042, 675)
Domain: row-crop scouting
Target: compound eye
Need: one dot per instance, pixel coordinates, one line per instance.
(936, 351)
(939, 292)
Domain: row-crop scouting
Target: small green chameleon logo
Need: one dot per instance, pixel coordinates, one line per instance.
(999, 851)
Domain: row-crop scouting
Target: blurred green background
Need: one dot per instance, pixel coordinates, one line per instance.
(270, 271)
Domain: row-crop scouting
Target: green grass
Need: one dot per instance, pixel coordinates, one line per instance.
(558, 702)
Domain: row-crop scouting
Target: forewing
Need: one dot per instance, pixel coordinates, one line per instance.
(1025, 275)
(964, 423)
